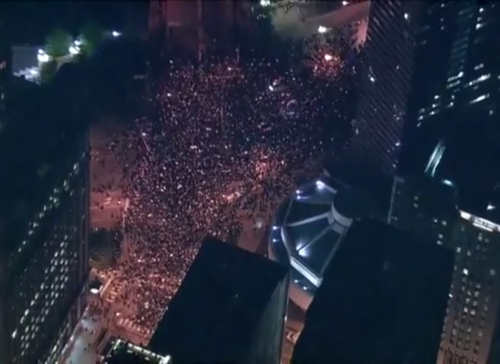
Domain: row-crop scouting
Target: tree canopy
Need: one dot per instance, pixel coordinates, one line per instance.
(58, 42)
(91, 35)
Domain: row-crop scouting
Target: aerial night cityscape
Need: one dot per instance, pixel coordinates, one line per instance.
(250, 181)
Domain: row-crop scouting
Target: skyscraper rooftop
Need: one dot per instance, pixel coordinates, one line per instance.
(218, 305)
(376, 303)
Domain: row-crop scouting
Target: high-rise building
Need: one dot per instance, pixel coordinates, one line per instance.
(451, 140)
(472, 230)
(43, 233)
(230, 308)
(375, 304)
(425, 206)
(474, 295)
(385, 86)
(454, 82)
(199, 27)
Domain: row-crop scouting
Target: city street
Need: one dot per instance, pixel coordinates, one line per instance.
(80, 348)
(107, 204)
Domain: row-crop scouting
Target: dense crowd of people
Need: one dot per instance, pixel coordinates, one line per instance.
(217, 141)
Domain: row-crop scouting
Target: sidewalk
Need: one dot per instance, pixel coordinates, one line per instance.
(80, 350)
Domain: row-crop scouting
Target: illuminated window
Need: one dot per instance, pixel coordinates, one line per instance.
(480, 98)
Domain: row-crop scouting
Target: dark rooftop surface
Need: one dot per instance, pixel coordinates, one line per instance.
(359, 174)
(375, 304)
(123, 352)
(218, 304)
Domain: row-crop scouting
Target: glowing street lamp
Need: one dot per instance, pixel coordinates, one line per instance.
(42, 56)
(74, 50)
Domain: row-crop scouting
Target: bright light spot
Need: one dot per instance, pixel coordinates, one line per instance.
(34, 71)
(304, 253)
(328, 57)
(298, 192)
(276, 228)
(94, 291)
(345, 3)
(490, 207)
(322, 29)
(407, 16)
(74, 50)
(115, 34)
(265, 2)
(271, 88)
(320, 184)
(42, 56)
(77, 42)
(465, 271)
(372, 79)
(143, 134)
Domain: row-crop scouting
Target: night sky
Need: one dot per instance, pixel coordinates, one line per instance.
(28, 22)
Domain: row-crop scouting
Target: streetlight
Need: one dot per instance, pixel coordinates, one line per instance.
(115, 34)
(322, 29)
(74, 50)
(42, 56)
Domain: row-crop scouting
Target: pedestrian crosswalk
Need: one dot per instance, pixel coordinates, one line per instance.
(131, 326)
(292, 336)
(111, 297)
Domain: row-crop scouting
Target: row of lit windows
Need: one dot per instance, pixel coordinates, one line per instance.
(53, 286)
(56, 276)
(54, 200)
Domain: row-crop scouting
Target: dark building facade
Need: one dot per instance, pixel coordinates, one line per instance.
(5, 71)
(376, 304)
(200, 27)
(454, 83)
(230, 307)
(425, 206)
(451, 139)
(43, 228)
(385, 86)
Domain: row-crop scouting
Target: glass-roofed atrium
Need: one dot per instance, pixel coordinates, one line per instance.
(307, 230)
